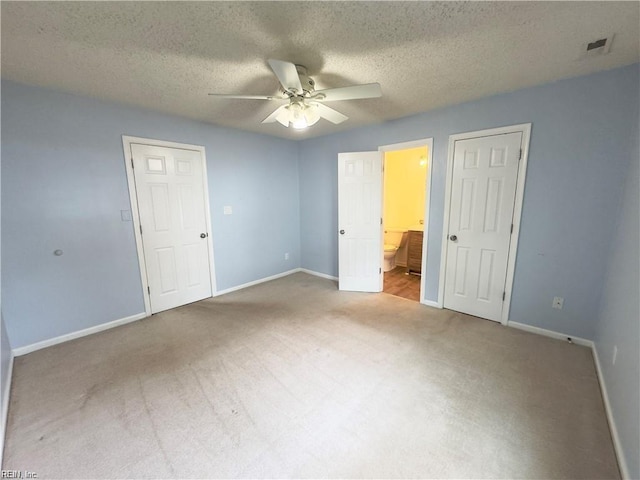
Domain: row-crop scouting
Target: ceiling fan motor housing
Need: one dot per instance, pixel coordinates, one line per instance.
(308, 84)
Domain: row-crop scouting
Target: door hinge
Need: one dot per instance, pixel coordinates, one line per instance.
(149, 290)
(504, 295)
(512, 228)
(132, 166)
(380, 270)
(140, 229)
(380, 221)
(520, 155)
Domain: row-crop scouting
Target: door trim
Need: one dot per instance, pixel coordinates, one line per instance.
(127, 141)
(428, 142)
(525, 129)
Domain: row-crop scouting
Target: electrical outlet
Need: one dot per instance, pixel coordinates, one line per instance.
(558, 302)
(286, 256)
(227, 210)
(615, 354)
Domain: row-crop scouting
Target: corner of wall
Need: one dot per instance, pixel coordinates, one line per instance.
(6, 396)
(615, 437)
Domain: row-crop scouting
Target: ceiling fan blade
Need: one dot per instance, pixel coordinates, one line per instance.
(287, 75)
(330, 114)
(246, 97)
(274, 116)
(355, 92)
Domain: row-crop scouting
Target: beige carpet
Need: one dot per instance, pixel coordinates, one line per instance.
(292, 378)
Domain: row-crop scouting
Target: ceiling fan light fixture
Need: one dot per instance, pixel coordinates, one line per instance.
(298, 115)
(311, 115)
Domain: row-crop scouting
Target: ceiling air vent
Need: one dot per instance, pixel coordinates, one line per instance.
(600, 46)
(597, 44)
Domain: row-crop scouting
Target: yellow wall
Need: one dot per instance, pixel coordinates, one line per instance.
(404, 187)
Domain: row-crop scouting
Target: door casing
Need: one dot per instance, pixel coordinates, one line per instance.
(135, 214)
(525, 128)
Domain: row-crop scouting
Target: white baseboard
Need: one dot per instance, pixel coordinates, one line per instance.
(318, 274)
(617, 445)
(6, 396)
(430, 303)
(73, 335)
(256, 282)
(550, 333)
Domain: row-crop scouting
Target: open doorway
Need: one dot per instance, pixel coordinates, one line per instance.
(406, 177)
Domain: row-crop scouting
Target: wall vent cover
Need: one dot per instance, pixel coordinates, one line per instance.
(600, 46)
(597, 44)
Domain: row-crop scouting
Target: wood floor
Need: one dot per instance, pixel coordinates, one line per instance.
(398, 283)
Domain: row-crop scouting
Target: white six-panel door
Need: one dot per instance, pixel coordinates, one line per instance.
(171, 204)
(483, 189)
(359, 221)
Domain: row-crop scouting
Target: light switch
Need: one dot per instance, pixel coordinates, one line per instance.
(228, 210)
(125, 215)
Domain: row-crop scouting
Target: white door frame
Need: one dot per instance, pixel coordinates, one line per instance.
(135, 214)
(525, 128)
(428, 142)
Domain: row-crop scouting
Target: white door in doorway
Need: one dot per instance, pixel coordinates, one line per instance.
(360, 221)
(171, 204)
(482, 196)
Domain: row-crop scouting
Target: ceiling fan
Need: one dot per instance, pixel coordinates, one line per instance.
(305, 104)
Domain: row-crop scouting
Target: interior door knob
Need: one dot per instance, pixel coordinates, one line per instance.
(203, 235)
(341, 232)
(453, 238)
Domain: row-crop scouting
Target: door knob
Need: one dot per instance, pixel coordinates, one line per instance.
(203, 235)
(341, 232)
(453, 238)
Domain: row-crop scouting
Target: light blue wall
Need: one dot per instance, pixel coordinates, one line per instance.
(619, 319)
(577, 163)
(64, 184)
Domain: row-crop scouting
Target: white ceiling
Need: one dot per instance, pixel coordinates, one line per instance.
(167, 56)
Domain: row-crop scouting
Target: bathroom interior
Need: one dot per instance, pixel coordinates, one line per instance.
(405, 181)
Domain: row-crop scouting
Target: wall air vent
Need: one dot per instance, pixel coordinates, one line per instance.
(599, 46)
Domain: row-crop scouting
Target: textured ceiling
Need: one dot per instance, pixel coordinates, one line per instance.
(166, 56)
